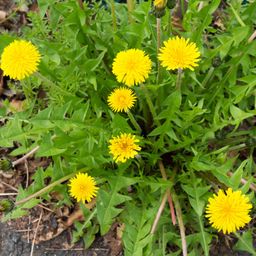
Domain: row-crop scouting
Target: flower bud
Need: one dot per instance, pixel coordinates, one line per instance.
(171, 4)
(6, 205)
(5, 164)
(159, 8)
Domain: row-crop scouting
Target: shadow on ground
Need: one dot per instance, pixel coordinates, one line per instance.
(12, 244)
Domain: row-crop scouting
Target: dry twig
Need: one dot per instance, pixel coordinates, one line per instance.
(252, 37)
(169, 197)
(159, 212)
(243, 181)
(181, 225)
(20, 160)
(8, 194)
(9, 186)
(27, 172)
(35, 234)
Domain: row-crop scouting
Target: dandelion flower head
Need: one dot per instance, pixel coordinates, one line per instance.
(131, 67)
(124, 147)
(83, 187)
(228, 211)
(121, 99)
(19, 59)
(179, 53)
(160, 3)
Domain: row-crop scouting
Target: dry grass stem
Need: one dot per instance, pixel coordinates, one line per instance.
(35, 234)
(159, 212)
(20, 160)
(169, 197)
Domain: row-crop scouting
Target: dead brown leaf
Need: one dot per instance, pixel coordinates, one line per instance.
(113, 239)
(16, 106)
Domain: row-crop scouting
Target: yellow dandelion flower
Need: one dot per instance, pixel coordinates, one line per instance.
(121, 99)
(160, 4)
(124, 147)
(83, 187)
(131, 67)
(179, 53)
(228, 212)
(19, 59)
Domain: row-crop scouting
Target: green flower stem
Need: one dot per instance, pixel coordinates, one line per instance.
(205, 247)
(208, 77)
(158, 36)
(169, 28)
(237, 147)
(130, 7)
(237, 15)
(228, 141)
(89, 218)
(134, 122)
(182, 6)
(181, 224)
(113, 13)
(150, 104)
(50, 83)
(178, 81)
(46, 189)
(45, 79)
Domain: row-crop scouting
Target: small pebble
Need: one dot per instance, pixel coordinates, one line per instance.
(2, 15)
(15, 238)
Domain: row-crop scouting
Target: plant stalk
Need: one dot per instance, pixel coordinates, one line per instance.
(206, 253)
(169, 197)
(252, 37)
(150, 104)
(130, 7)
(158, 36)
(159, 212)
(113, 13)
(45, 189)
(50, 83)
(80, 3)
(133, 121)
(169, 28)
(181, 224)
(237, 15)
(20, 160)
(178, 81)
(244, 181)
(182, 6)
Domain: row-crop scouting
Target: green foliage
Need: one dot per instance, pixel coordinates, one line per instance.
(137, 230)
(196, 192)
(204, 133)
(20, 211)
(245, 243)
(108, 200)
(86, 230)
